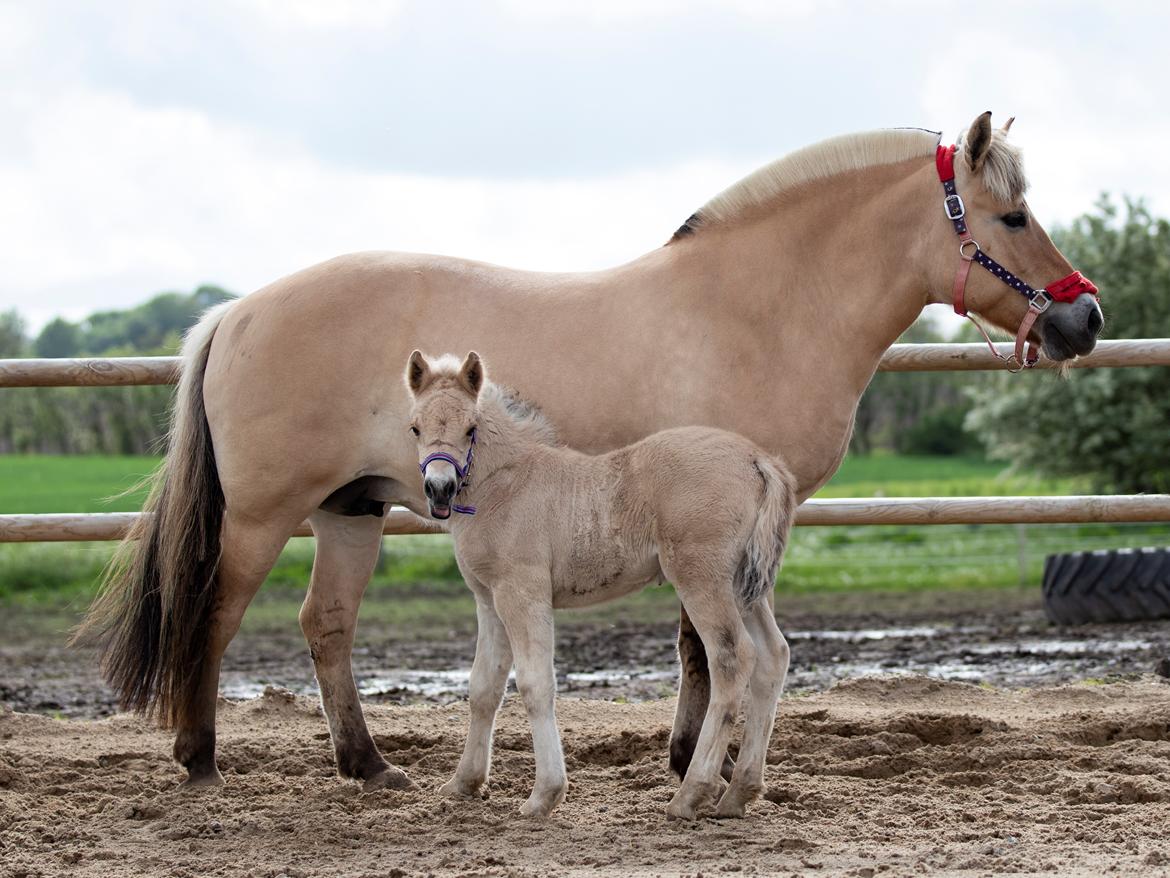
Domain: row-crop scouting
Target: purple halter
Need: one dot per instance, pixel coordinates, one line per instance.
(462, 471)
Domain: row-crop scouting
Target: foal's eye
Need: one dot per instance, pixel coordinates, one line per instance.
(470, 431)
(414, 430)
(1017, 219)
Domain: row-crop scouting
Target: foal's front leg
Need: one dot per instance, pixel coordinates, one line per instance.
(489, 677)
(527, 615)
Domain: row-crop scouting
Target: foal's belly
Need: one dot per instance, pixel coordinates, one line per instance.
(581, 585)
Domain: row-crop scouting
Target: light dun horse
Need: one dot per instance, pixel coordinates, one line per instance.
(766, 314)
(546, 526)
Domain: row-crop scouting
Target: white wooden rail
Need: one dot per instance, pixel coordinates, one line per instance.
(127, 371)
(851, 511)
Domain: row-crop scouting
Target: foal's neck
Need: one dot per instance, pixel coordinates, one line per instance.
(509, 429)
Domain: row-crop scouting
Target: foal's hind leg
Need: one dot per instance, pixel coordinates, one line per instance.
(694, 693)
(717, 620)
(248, 551)
(764, 688)
(347, 549)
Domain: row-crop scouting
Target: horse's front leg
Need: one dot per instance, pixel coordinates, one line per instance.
(347, 549)
(528, 617)
(489, 677)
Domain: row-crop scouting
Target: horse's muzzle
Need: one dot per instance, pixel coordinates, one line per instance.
(1071, 330)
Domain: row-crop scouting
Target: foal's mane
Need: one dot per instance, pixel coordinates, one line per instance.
(523, 414)
(1002, 173)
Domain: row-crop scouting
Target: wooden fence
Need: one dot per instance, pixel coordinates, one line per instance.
(125, 371)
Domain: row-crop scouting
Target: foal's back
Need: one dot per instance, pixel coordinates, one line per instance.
(682, 502)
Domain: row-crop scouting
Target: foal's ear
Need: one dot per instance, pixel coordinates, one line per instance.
(471, 373)
(978, 141)
(418, 373)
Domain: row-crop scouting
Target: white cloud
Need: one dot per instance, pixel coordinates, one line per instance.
(109, 201)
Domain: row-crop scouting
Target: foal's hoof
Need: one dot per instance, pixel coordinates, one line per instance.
(735, 800)
(541, 804)
(691, 797)
(458, 789)
(202, 780)
(389, 778)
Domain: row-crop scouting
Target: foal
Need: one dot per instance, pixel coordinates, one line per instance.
(539, 526)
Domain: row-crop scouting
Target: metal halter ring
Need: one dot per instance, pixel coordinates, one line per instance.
(963, 253)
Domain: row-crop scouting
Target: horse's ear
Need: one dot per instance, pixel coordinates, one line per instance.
(1007, 126)
(471, 373)
(418, 373)
(978, 141)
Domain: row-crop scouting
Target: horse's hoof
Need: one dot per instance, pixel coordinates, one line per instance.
(389, 778)
(202, 780)
(680, 810)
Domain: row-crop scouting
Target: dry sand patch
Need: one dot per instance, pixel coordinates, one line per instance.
(877, 776)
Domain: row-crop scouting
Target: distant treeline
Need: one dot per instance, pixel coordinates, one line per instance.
(104, 420)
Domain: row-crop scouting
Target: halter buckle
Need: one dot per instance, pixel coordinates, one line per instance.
(1040, 302)
(953, 205)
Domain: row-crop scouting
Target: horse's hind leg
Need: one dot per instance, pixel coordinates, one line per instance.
(732, 656)
(248, 551)
(347, 550)
(764, 688)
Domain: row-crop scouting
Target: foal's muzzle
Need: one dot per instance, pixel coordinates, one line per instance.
(440, 488)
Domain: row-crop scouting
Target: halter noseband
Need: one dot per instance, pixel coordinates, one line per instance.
(1064, 290)
(462, 471)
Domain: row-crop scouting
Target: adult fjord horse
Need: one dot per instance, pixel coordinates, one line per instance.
(290, 404)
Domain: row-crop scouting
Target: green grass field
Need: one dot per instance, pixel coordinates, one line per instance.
(842, 558)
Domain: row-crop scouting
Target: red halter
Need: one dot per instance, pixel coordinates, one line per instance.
(1064, 290)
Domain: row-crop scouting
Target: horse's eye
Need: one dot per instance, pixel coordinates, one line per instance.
(470, 431)
(1017, 219)
(414, 429)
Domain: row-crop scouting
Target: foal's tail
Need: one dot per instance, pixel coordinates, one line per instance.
(151, 616)
(765, 547)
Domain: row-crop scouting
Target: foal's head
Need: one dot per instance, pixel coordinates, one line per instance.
(443, 420)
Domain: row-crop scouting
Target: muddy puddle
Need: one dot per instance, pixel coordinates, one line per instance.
(999, 639)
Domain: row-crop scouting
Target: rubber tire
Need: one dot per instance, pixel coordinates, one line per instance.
(1116, 585)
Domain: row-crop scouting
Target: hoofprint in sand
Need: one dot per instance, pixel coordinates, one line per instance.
(877, 776)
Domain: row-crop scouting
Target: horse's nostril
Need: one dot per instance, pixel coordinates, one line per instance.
(1096, 321)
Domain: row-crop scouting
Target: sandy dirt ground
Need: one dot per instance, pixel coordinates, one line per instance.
(876, 776)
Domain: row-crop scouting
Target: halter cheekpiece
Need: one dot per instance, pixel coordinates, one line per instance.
(1064, 290)
(462, 471)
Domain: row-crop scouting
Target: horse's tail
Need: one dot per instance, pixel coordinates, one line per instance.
(150, 618)
(765, 546)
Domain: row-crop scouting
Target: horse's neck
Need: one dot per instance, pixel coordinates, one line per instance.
(817, 288)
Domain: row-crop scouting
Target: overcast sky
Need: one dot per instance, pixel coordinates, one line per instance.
(150, 146)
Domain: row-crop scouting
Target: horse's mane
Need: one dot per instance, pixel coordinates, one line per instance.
(1002, 174)
(523, 413)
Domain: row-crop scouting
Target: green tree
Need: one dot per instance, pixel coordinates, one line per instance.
(1112, 425)
(59, 338)
(12, 340)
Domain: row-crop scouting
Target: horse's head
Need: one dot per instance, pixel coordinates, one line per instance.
(1028, 286)
(443, 419)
